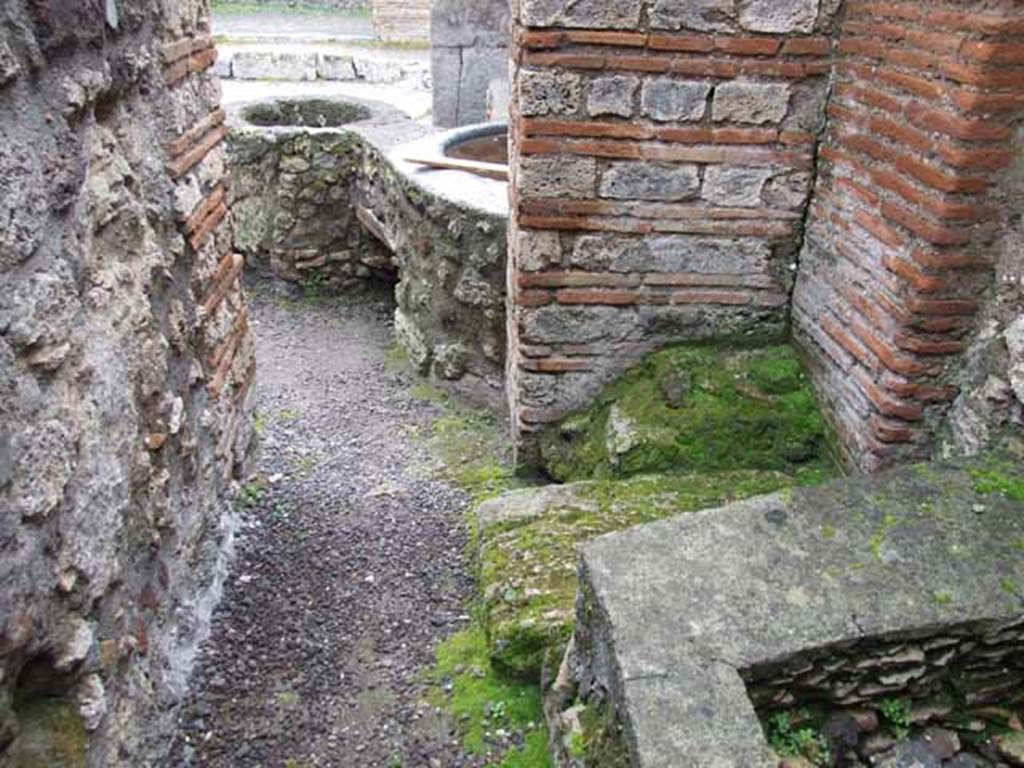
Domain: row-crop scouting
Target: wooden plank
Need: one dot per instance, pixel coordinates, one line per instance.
(490, 170)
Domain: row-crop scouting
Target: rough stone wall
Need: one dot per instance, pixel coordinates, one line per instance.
(974, 664)
(294, 194)
(662, 160)
(125, 364)
(469, 57)
(912, 211)
(397, 20)
(450, 314)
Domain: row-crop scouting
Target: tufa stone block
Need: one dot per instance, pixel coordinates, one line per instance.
(549, 93)
(779, 16)
(701, 15)
(612, 95)
(753, 103)
(588, 14)
(669, 100)
(642, 181)
(558, 176)
(735, 187)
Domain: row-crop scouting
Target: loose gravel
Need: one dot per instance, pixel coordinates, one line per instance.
(350, 566)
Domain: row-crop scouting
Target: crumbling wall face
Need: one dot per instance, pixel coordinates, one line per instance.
(913, 209)
(469, 60)
(663, 157)
(125, 365)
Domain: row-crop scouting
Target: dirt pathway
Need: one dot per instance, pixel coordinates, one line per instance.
(350, 568)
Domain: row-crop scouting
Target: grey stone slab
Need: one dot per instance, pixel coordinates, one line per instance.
(764, 579)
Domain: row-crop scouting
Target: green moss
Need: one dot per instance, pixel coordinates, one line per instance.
(474, 451)
(999, 477)
(602, 742)
(528, 567)
(482, 701)
(696, 409)
(52, 735)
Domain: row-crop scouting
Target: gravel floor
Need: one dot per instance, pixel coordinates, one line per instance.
(350, 567)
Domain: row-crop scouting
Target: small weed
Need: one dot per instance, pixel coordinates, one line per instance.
(259, 423)
(994, 480)
(252, 493)
(943, 597)
(896, 713)
(790, 741)
(483, 701)
(287, 415)
(314, 287)
(429, 393)
(304, 465)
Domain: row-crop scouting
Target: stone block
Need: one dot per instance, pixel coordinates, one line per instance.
(333, 66)
(222, 67)
(273, 65)
(537, 250)
(752, 103)
(374, 70)
(498, 99)
(457, 23)
(700, 15)
(588, 14)
(671, 253)
(612, 95)
(788, 190)
(756, 587)
(446, 70)
(733, 186)
(480, 67)
(557, 176)
(543, 92)
(669, 100)
(645, 181)
(779, 16)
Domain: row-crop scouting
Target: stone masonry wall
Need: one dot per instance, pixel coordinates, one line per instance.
(294, 197)
(396, 20)
(125, 368)
(469, 57)
(663, 157)
(912, 211)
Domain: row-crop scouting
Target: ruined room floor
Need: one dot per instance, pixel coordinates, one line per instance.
(350, 564)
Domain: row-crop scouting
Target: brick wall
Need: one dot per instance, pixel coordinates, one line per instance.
(662, 158)
(401, 19)
(923, 124)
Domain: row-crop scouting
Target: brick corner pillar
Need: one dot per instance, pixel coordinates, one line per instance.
(662, 158)
(924, 122)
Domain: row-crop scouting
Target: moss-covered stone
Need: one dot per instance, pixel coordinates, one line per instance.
(695, 409)
(51, 734)
(528, 542)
